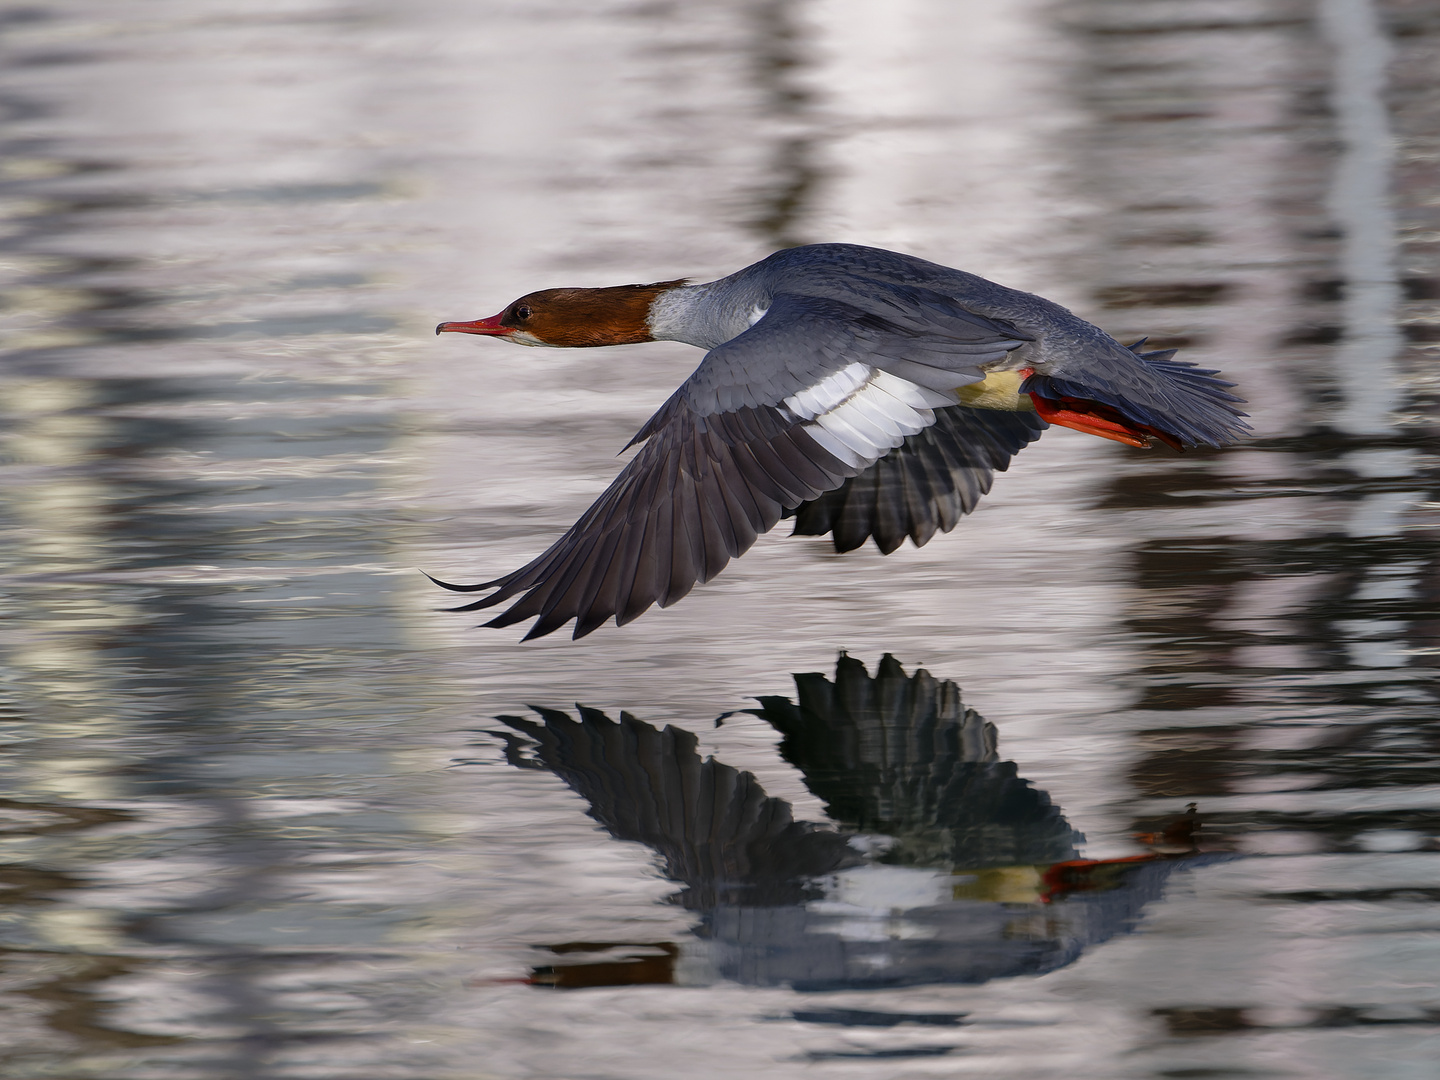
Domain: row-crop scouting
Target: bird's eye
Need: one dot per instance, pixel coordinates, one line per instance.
(522, 312)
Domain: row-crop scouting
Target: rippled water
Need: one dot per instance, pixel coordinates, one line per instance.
(258, 817)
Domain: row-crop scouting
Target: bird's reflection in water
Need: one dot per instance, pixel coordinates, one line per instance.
(940, 863)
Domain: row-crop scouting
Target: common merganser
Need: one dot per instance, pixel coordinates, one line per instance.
(862, 391)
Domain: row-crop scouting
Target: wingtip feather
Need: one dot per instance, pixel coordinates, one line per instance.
(460, 588)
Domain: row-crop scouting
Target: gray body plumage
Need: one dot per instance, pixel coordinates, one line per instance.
(914, 296)
(829, 393)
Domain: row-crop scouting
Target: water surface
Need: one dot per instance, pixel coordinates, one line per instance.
(258, 816)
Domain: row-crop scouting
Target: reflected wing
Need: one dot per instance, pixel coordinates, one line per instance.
(793, 407)
(927, 484)
(902, 756)
(714, 826)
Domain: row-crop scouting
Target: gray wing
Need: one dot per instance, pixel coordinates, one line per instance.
(811, 395)
(923, 486)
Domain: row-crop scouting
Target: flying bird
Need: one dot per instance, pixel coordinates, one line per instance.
(864, 392)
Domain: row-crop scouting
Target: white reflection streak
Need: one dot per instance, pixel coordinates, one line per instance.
(1360, 205)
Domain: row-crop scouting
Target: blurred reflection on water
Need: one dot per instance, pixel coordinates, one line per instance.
(949, 868)
(232, 839)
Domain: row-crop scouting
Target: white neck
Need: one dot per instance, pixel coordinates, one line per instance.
(705, 315)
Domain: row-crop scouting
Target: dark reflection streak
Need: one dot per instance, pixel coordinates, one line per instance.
(871, 1018)
(1339, 832)
(1403, 894)
(898, 1052)
(777, 50)
(1362, 757)
(1119, 30)
(1194, 625)
(55, 58)
(1232, 1020)
(24, 16)
(1325, 471)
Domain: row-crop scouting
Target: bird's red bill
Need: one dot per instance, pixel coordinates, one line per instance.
(1095, 419)
(489, 326)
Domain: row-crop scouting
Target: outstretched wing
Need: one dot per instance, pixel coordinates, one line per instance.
(805, 399)
(925, 485)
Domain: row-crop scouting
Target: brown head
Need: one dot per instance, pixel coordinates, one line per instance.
(572, 318)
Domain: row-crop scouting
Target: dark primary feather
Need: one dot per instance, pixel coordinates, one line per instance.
(696, 495)
(924, 486)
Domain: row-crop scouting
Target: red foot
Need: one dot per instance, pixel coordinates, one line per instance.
(1095, 419)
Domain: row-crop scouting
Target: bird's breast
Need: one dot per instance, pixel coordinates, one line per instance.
(998, 390)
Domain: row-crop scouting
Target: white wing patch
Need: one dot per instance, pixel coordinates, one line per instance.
(859, 414)
(756, 314)
(829, 392)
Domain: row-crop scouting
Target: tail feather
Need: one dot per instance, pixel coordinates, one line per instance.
(1155, 392)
